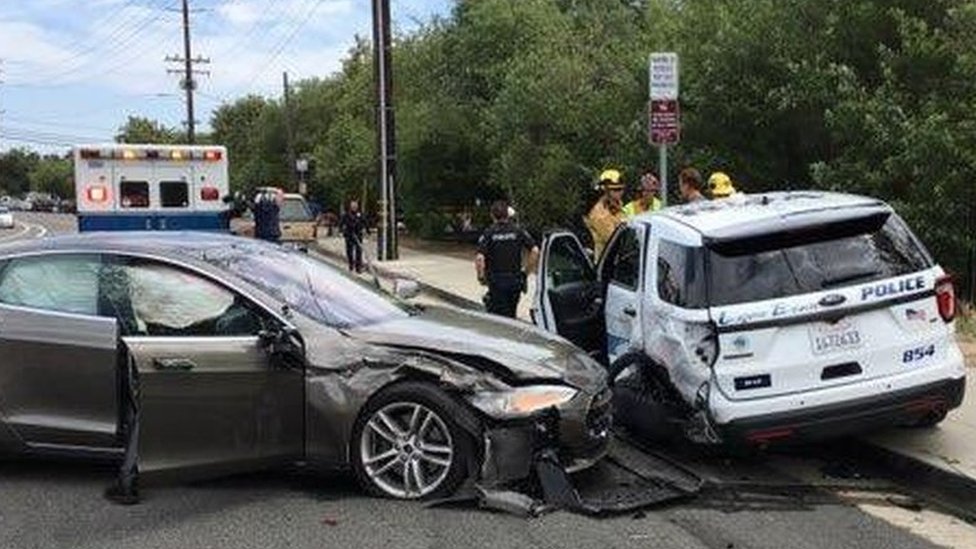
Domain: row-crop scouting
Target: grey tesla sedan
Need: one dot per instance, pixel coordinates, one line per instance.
(187, 355)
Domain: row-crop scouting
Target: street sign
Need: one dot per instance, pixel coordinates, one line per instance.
(663, 75)
(664, 122)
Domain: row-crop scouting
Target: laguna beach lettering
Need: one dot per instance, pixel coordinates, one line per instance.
(786, 309)
(894, 287)
(778, 310)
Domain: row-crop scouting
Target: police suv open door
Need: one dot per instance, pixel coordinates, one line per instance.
(569, 297)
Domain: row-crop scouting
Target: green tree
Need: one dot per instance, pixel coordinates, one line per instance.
(140, 130)
(15, 168)
(53, 175)
(251, 129)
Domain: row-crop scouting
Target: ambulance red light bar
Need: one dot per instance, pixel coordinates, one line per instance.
(212, 155)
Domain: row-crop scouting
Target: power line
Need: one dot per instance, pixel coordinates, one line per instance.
(278, 48)
(117, 40)
(51, 124)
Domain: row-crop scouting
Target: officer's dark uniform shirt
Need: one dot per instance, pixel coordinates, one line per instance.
(266, 220)
(502, 246)
(353, 225)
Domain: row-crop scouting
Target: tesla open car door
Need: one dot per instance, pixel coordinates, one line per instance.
(214, 394)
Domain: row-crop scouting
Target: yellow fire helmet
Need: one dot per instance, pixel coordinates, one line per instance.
(610, 180)
(720, 185)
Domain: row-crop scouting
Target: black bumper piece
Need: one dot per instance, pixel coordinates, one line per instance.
(835, 420)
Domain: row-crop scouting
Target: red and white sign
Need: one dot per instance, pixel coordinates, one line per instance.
(664, 121)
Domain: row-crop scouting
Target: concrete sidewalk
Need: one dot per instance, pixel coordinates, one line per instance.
(945, 453)
(448, 278)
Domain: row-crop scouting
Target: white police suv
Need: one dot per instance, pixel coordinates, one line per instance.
(761, 318)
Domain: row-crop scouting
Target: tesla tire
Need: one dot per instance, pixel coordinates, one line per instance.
(638, 401)
(407, 445)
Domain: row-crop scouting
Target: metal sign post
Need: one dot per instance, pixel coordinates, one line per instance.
(664, 113)
(301, 166)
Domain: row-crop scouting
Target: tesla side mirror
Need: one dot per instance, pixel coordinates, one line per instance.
(283, 341)
(405, 288)
(269, 339)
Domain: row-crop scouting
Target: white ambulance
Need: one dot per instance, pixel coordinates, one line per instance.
(122, 187)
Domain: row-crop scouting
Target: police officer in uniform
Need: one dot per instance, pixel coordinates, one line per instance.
(267, 221)
(499, 261)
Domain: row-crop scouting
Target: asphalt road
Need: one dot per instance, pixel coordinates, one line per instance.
(812, 498)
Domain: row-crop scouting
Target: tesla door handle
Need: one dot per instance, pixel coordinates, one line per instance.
(178, 364)
(630, 311)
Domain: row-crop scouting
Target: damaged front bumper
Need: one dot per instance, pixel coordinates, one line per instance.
(535, 450)
(577, 432)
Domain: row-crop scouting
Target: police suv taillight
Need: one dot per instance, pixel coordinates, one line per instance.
(945, 297)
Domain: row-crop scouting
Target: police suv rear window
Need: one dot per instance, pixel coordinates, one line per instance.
(874, 252)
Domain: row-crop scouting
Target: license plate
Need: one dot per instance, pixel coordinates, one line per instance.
(826, 338)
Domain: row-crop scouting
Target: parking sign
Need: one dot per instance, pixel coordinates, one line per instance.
(663, 76)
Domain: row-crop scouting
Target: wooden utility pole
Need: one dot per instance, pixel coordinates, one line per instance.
(188, 83)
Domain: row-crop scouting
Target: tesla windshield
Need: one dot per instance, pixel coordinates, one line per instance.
(313, 287)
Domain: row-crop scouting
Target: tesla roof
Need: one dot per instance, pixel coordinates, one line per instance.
(766, 212)
(175, 243)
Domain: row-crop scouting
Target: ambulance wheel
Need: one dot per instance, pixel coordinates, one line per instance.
(639, 401)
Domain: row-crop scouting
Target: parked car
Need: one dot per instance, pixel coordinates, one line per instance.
(6, 218)
(762, 318)
(298, 225)
(248, 355)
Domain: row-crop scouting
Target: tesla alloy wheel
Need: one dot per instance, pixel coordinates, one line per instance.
(407, 446)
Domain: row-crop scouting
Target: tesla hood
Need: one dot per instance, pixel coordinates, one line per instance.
(520, 350)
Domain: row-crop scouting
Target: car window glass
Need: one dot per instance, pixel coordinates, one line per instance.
(680, 275)
(624, 259)
(310, 285)
(566, 263)
(65, 283)
(134, 194)
(174, 194)
(294, 209)
(815, 266)
(152, 299)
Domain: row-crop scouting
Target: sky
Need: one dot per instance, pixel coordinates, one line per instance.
(72, 71)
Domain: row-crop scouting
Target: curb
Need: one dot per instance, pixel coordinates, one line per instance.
(953, 490)
(389, 274)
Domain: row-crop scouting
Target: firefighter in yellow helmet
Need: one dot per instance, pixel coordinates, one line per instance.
(608, 212)
(720, 185)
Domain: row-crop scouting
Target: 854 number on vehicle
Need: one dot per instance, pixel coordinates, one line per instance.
(917, 354)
